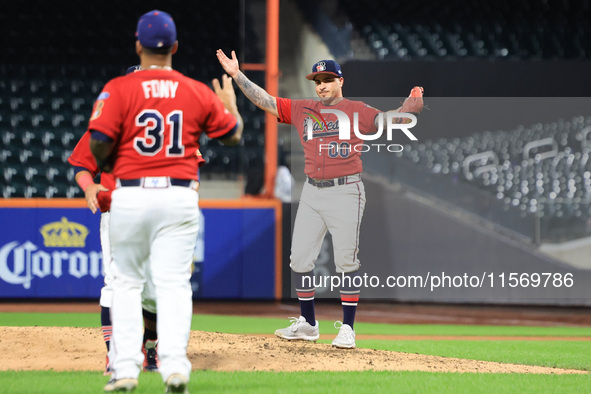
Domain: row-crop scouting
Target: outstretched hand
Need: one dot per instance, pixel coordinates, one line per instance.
(414, 102)
(225, 92)
(231, 66)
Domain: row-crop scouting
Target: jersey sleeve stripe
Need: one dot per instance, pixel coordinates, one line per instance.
(100, 136)
(79, 166)
(77, 169)
(230, 133)
(222, 133)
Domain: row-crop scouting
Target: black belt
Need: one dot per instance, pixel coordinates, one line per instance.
(173, 182)
(327, 182)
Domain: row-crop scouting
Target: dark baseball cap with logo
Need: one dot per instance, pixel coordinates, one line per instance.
(156, 29)
(133, 69)
(325, 67)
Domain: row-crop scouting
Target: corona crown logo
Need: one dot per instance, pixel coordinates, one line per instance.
(64, 234)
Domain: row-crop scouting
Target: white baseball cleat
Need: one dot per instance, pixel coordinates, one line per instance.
(177, 383)
(125, 384)
(300, 329)
(345, 338)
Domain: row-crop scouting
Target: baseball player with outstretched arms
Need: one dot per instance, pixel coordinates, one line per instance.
(98, 197)
(145, 129)
(333, 198)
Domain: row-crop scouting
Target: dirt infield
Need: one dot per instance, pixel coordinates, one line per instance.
(82, 349)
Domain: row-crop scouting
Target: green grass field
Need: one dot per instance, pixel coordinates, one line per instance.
(549, 353)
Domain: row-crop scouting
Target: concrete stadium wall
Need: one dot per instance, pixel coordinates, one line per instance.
(413, 238)
(469, 78)
(403, 234)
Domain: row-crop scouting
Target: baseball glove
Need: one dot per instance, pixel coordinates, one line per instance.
(414, 102)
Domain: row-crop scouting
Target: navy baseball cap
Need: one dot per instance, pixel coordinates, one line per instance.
(156, 29)
(325, 67)
(133, 69)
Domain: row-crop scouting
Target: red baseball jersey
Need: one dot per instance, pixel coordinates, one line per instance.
(82, 157)
(326, 156)
(155, 118)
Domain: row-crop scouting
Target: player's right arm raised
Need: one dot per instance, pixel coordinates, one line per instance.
(252, 91)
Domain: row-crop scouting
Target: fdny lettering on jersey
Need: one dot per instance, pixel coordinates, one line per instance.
(162, 136)
(160, 88)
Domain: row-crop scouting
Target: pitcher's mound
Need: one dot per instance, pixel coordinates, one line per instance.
(82, 349)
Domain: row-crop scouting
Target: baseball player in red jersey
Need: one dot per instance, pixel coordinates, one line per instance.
(98, 196)
(145, 130)
(333, 198)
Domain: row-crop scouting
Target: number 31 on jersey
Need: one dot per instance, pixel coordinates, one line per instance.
(153, 123)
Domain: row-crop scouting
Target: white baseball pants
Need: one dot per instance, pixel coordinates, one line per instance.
(152, 230)
(106, 299)
(338, 209)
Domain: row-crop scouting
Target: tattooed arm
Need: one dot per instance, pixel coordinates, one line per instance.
(252, 91)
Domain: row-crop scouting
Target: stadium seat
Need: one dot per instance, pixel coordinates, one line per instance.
(542, 170)
(449, 31)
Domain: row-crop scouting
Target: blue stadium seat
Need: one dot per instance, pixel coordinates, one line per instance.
(543, 169)
(457, 29)
(45, 105)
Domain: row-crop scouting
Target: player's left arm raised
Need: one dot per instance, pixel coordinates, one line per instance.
(413, 104)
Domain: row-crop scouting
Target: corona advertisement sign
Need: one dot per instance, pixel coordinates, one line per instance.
(49, 253)
(64, 234)
(54, 251)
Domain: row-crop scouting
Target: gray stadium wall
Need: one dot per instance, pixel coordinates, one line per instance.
(468, 78)
(412, 238)
(415, 236)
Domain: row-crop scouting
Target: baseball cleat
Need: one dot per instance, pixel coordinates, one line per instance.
(151, 361)
(300, 329)
(177, 383)
(345, 338)
(126, 384)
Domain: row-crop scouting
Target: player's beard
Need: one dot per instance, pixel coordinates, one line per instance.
(330, 100)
